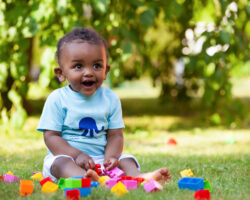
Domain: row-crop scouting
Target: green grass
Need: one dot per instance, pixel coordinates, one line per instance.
(201, 148)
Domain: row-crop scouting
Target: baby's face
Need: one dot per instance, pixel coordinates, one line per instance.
(84, 65)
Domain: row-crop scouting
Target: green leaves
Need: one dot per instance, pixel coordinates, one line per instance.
(100, 6)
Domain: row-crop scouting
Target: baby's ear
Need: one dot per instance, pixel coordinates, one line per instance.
(107, 70)
(59, 73)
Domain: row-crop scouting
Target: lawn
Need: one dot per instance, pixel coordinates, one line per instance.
(202, 148)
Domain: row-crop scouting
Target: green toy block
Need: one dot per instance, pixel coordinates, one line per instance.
(61, 183)
(207, 186)
(72, 183)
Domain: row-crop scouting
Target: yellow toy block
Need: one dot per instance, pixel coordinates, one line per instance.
(103, 179)
(38, 176)
(187, 173)
(49, 187)
(10, 173)
(119, 189)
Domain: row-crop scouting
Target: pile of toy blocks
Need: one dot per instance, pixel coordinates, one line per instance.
(119, 184)
(76, 187)
(201, 186)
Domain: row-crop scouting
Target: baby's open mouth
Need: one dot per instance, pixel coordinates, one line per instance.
(88, 83)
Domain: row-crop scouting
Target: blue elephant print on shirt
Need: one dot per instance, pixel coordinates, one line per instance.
(88, 124)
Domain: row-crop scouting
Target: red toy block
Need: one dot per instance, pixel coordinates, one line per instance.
(126, 178)
(98, 170)
(45, 180)
(202, 195)
(1, 176)
(172, 141)
(86, 182)
(139, 179)
(73, 194)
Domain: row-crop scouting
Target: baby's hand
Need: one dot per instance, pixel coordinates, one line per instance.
(84, 161)
(110, 163)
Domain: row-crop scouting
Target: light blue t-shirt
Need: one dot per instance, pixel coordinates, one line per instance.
(82, 120)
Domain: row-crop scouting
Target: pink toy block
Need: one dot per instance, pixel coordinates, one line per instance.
(114, 173)
(10, 178)
(130, 184)
(111, 182)
(152, 186)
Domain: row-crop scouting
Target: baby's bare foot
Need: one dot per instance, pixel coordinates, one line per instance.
(161, 175)
(92, 175)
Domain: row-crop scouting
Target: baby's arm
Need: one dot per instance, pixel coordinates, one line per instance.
(113, 148)
(58, 146)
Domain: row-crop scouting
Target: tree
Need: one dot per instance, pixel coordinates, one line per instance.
(143, 36)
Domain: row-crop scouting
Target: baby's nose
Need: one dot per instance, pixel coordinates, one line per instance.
(88, 71)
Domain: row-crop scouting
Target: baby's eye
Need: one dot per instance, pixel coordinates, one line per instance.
(78, 66)
(97, 66)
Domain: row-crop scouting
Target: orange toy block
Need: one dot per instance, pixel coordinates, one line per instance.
(26, 187)
(49, 187)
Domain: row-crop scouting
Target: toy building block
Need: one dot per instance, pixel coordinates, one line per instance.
(207, 186)
(94, 184)
(202, 195)
(45, 180)
(98, 169)
(187, 173)
(49, 187)
(26, 187)
(38, 176)
(35, 172)
(111, 182)
(152, 185)
(126, 178)
(130, 184)
(10, 178)
(10, 173)
(119, 189)
(83, 191)
(139, 179)
(85, 182)
(1, 176)
(114, 173)
(72, 183)
(191, 183)
(61, 183)
(77, 177)
(172, 141)
(103, 179)
(73, 194)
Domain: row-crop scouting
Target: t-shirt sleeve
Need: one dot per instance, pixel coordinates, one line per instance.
(115, 118)
(52, 115)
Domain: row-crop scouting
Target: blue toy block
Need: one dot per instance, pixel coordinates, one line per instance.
(94, 184)
(77, 177)
(83, 191)
(191, 183)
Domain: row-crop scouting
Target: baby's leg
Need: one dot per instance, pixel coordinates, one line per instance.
(129, 167)
(65, 167)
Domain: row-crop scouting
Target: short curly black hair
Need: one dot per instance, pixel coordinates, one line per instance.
(84, 34)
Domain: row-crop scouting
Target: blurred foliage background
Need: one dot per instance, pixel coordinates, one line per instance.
(189, 48)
